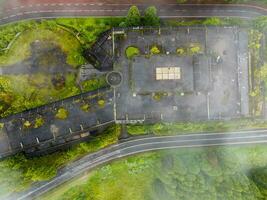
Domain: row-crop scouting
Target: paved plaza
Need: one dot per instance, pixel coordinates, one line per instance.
(212, 83)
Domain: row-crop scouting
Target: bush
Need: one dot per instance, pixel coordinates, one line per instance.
(154, 50)
(27, 124)
(39, 121)
(101, 103)
(180, 51)
(85, 107)
(62, 113)
(132, 52)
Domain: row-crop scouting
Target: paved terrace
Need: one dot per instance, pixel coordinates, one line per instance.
(214, 81)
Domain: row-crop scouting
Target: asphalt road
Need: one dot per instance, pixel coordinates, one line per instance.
(140, 145)
(52, 10)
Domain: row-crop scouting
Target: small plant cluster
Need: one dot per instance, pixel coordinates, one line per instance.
(157, 96)
(36, 123)
(190, 50)
(62, 114)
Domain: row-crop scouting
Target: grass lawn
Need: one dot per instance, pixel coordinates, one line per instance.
(196, 173)
(195, 127)
(18, 172)
(45, 31)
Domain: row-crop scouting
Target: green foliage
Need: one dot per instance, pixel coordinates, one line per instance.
(88, 29)
(154, 50)
(133, 17)
(188, 174)
(123, 179)
(131, 52)
(45, 31)
(27, 124)
(18, 172)
(85, 107)
(180, 51)
(39, 121)
(195, 127)
(94, 84)
(101, 103)
(214, 21)
(62, 113)
(151, 18)
(194, 49)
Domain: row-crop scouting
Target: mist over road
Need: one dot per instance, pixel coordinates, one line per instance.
(143, 144)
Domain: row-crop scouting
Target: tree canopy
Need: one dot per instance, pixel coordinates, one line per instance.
(151, 18)
(133, 17)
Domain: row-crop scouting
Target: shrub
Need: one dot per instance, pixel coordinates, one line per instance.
(154, 50)
(194, 50)
(27, 124)
(39, 121)
(132, 52)
(101, 103)
(62, 113)
(85, 107)
(180, 51)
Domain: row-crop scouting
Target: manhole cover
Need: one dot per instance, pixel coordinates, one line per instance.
(114, 79)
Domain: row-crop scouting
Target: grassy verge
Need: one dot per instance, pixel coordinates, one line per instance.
(195, 127)
(196, 173)
(18, 173)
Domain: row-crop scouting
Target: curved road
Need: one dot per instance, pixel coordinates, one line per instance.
(140, 145)
(52, 10)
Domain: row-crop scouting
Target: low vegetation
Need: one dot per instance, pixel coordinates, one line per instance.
(131, 52)
(200, 173)
(18, 172)
(155, 50)
(20, 92)
(62, 114)
(93, 84)
(101, 103)
(195, 127)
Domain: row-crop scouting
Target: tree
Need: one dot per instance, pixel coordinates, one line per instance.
(151, 18)
(133, 17)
